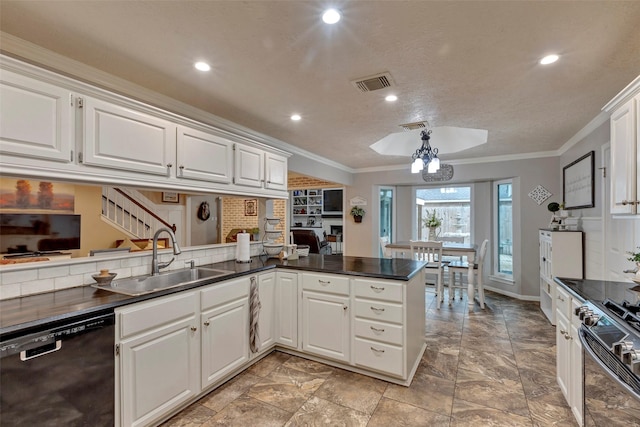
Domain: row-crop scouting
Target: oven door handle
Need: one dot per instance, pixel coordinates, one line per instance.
(605, 368)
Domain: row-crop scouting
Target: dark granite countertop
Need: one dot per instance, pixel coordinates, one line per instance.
(30, 313)
(599, 290)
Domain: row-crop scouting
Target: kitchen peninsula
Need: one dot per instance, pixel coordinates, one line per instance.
(360, 314)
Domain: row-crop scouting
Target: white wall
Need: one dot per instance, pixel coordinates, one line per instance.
(362, 240)
(625, 231)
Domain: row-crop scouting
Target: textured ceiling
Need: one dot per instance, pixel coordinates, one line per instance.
(464, 64)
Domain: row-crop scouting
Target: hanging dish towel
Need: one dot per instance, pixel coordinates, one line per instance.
(254, 316)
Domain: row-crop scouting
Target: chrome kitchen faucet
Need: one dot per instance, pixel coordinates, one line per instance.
(155, 265)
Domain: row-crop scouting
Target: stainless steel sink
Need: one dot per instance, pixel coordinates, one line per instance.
(148, 284)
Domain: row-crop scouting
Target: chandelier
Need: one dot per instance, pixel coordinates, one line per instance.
(425, 156)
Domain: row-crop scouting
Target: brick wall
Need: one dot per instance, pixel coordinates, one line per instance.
(233, 216)
(301, 182)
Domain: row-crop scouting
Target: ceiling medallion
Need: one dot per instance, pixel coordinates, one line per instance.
(445, 173)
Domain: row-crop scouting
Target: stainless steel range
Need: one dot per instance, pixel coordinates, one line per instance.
(610, 336)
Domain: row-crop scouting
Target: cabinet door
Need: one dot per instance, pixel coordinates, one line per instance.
(36, 119)
(287, 309)
(203, 156)
(563, 349)
(623, 159)
(266, 321)
(225, 340)
(159, 371)
(123, 138)
(275, 172)
(576, 367)
(545, 255)
(249, 166)
(325, 325)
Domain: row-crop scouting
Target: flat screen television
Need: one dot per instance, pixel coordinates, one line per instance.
(332, 203)
(37, 233)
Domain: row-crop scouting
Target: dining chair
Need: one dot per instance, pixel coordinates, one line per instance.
(451, 239)
(384, 241)
(431, 252)
(462, 267)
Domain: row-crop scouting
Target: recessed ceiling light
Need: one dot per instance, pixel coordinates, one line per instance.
(391, 98)
(295, 117)
(331, 16)
(202, 66)
(549, 59)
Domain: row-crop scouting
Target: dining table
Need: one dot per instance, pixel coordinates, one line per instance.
(402, 249)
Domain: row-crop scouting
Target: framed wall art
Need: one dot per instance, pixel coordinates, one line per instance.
(251, 207)
(578, 189)
(170, 197)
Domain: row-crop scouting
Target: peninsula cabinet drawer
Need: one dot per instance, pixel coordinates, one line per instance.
(380, 311)
(387, 291)
(225, 292)
(158, 312)
(378, 331)
(325, 283)
(378, 356)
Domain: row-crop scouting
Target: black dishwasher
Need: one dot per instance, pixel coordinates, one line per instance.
(60, 375)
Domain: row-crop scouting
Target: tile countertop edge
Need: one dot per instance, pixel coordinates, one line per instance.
(83, 299)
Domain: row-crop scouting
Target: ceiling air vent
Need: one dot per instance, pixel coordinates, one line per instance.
(371, 83)
(414, 125)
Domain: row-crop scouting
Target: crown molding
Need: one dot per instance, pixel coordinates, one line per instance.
(594, 124)
(625, 94)
(476, 160)
(39, 56)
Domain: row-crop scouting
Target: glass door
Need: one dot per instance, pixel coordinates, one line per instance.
(386, 215)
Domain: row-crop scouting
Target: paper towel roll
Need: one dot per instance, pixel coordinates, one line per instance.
(243, 248)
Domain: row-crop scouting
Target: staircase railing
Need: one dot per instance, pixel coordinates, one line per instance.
(127, 213)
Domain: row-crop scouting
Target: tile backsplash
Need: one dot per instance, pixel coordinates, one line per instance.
(39, 277)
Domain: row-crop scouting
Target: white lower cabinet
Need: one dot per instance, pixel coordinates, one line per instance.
(379, 326)
(159, 346)
(174, 349)
(326, 316)
(225, 326)
(325, 323)
(569, 363)
(286, 313)
(267, 317)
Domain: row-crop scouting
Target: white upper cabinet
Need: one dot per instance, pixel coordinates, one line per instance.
(52, 126)
(275, 172)
(625, 150)
(203, 156)
(258, 168)
(123, 138)
(249, 163)
(36, 118)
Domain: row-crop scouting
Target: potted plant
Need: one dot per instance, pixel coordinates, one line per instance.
(554, 207)
(357, 213)
(635, 257)
(432, 222)
(255, 233)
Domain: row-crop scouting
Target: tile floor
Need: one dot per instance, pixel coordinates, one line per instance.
(493, 367)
